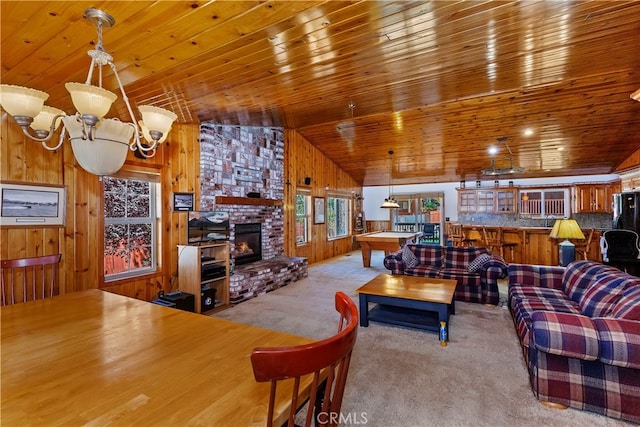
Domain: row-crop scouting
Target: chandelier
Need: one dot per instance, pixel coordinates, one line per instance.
(99, 144)
(501, 171)
(390, 202)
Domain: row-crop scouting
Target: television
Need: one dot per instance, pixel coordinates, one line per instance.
(207, 227)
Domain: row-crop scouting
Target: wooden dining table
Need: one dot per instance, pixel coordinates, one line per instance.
(94, 358)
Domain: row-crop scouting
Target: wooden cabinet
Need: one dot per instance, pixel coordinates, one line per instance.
(487, 201)
(467, 201)
(506, 201)
(205, 267)
(358, 215)
(594, 198)
(484, 201)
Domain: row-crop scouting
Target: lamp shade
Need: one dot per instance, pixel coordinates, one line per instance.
(107, 152)
(566, 229)
(42, 122)
(91, 100)
(390, 203)
(157, 119)
(21, 101)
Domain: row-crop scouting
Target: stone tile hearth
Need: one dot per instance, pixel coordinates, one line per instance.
(260, 277)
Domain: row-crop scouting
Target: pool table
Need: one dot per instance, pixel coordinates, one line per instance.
(387, 241)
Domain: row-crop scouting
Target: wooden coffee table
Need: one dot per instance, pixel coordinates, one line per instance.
(416, 302)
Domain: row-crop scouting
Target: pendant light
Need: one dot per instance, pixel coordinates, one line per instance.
(390, 202)
(99, 144)
(493, 150)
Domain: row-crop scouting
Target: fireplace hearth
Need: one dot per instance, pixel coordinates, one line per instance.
(247, 243)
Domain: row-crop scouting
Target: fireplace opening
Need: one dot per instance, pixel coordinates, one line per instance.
(247, 243)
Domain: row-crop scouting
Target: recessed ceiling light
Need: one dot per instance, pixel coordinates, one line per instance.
(560, 148)
(527, 132)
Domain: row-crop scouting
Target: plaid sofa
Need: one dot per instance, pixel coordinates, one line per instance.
(579, 328)
(476, 269)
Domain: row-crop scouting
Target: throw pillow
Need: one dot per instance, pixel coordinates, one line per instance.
(476, 264)
(408, 257)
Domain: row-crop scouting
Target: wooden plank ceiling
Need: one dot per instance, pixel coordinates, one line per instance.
(437, 82)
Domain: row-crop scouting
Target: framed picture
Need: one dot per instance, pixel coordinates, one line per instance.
(182, 201)
(28, 205)
(318, 210)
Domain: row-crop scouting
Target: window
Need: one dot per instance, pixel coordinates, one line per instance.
(337, 217)
(130, 226)
(303, 200)
(544, 203)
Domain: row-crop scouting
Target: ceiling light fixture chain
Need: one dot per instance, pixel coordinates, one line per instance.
(99, 144)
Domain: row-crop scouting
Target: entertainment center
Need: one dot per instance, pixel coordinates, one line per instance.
(204, 271)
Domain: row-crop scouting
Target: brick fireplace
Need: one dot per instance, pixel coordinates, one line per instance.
(234, 163)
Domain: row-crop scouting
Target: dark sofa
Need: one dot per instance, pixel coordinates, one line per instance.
(476, 269)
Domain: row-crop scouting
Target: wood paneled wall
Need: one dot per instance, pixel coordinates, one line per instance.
(178, 163)
(304, 160)
(79, 240)
(26, 161)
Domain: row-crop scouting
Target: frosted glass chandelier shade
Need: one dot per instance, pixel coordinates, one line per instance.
(107, 152)
(91, 100)
(157, 118)
(42, 122)
(22, 101)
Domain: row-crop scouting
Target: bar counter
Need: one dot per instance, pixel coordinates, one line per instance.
(533, 244)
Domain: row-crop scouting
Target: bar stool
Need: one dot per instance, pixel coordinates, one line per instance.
(472, 238)
(455, 234)
(493, 238)
(582, 246)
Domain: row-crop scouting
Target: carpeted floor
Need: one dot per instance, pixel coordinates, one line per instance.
(403, 377)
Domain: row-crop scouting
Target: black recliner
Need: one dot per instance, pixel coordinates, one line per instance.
(621, 249)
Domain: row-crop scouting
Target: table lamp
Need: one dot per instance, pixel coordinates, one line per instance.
(566, 229)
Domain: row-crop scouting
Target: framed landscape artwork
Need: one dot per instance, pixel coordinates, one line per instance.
(182, 201)
(28, 205)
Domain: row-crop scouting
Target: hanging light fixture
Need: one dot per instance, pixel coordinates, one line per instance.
(390, 202)
(493, 150)
(99, 144)
(636, 95)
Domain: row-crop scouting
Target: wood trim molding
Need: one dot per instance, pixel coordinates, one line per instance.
(229, 200)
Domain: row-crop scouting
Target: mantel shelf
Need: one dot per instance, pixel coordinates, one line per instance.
(229, 200)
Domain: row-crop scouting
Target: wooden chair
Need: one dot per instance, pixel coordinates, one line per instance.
(493, 239)
(472, 238)
(328, 361)
(582, 246)
(455, 234)
(28, 278)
